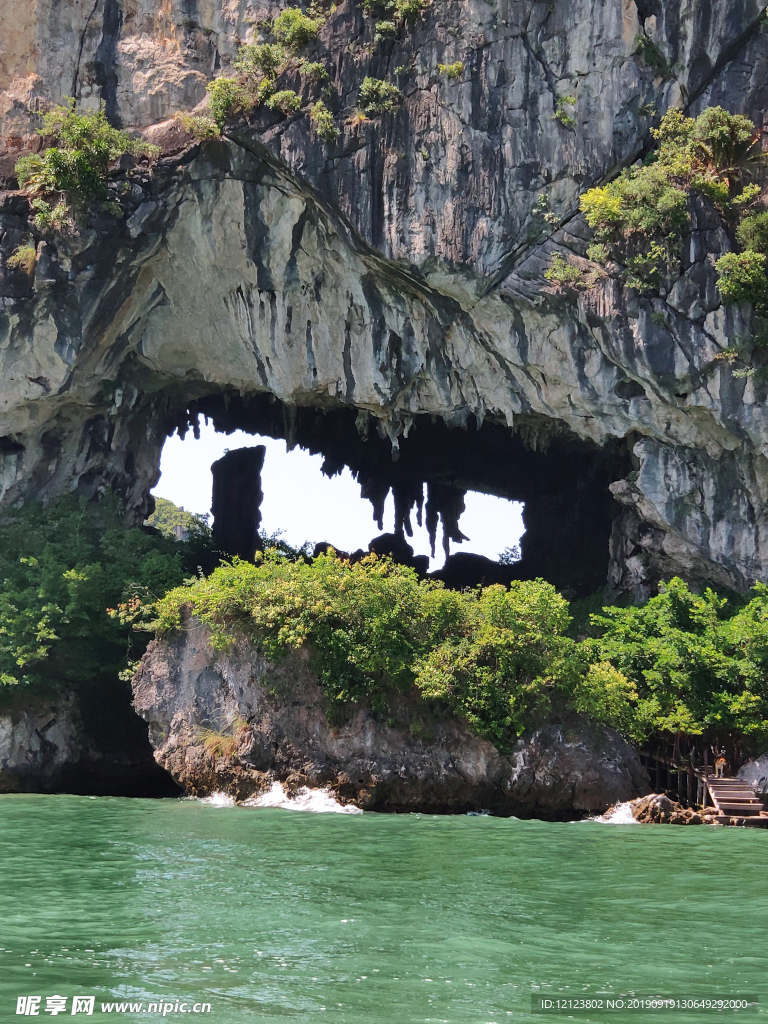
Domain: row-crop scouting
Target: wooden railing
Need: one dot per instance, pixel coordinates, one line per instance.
(685, 783)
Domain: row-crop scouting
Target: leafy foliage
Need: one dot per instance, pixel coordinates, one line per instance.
(71, 172)
(265, 59)
(743, 277)
(384, 30)
(203, 128)
(562, 114)
(397, 10)
(453, 71)
(294, 29)
(227, 99)
(24, 257)
(285, 100)
(502, 659)
(500, 667)
(652, 56)
(640, 218)
(375, 628)
(695, 668)
(61, 568)
(378, 96)
(563, 273)
(752, 232)
(323, 123)
(174, 522)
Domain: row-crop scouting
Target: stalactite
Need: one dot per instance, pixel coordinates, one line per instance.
(375, 491)
(446, 504)
(406, 497)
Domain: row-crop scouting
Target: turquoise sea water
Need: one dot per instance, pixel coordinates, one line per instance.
(275, 916)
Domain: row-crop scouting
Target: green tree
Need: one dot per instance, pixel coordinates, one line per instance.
(61, 568)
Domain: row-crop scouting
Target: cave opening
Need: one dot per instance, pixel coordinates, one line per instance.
(429, 488)
(308, 509)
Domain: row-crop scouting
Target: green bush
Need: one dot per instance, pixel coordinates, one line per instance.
(295, 29)
(285, 100)
(72, 170)
(501, 659)
(640, 218)
(175, 522)
(374, 628)
(453, 71)
(752, 232)
(313, 70)
(561, 114)
(652, 56)
(203, 128)
(227, 99)
(265, 59)
(384, 30)
(377, 96)
(322, 122)
(563, 273)
(24, 257)
(409, 10)
(500, 670)
(743, 277)
(696, 668)
(61, 568)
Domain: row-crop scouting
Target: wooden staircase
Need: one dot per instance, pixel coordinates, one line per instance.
(735, 802)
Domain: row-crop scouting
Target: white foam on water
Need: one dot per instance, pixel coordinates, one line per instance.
(318, 801)
(619, 814)
(218, 800)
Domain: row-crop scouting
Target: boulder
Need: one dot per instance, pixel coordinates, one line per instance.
(234, 722)
(755, 772)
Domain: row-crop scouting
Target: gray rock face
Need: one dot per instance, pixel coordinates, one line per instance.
(756, 774)
(374, 287)
(37, 743)
(235, 723)
(45, 747)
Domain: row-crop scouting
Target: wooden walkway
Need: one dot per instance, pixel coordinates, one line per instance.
(735, 802)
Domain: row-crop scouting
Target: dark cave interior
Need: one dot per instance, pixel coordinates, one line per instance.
(562, 481)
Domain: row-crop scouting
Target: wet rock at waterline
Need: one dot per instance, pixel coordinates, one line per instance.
(659, 809)
(232, 722)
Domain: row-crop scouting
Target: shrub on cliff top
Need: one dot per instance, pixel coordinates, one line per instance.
(73, 167)
(501, 659)
(492, 656)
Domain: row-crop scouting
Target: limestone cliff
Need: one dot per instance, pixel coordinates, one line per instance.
(385, 292)
(233, 722)
(49, 745)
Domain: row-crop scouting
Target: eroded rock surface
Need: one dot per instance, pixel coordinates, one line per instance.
(394, 279)
(234, 723)
(756, 774)
(46, 747)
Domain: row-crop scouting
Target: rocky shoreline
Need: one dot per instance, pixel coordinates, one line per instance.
(233, 723)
